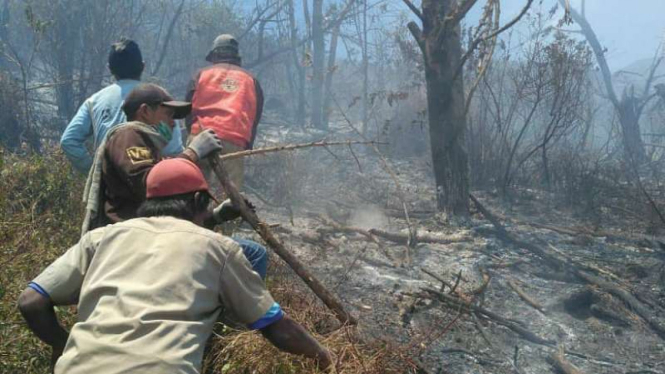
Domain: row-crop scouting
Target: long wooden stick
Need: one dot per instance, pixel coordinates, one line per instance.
(264, 231)
(291, 147)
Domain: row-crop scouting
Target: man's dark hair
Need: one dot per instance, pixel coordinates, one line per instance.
(125, 60)
(132, 116)
(184, 206)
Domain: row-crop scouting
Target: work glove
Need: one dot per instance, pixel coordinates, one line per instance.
(226, 211)
(205, 143)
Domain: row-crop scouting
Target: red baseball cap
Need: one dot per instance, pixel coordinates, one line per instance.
(175, 176)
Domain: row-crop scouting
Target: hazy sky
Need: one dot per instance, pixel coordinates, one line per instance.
(630, 30)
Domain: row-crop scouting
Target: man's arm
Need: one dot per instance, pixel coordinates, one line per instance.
(259, 102)
(289, 336)
(132, 155)
(73, 139)
(58, 284)
(38, 312)
(191, 89)
(259, 112)
(246, 299)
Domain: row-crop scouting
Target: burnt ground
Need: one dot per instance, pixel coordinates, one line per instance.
(313, 193)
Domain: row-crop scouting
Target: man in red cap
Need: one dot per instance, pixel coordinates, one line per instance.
(150, 289)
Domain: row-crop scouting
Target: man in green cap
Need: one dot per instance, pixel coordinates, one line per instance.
(228, 100)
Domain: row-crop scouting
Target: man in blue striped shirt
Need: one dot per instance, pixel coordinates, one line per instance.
(103, 110)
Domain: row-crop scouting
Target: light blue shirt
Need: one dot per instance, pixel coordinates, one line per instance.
(95, 122)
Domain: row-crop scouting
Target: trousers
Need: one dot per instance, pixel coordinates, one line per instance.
(256, 254)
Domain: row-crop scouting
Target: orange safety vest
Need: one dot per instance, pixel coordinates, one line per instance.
(225, 101)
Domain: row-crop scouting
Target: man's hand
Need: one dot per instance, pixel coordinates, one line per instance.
(325, 362)
(289, 336)
(205, 143)
(226, 211)
(41, 319)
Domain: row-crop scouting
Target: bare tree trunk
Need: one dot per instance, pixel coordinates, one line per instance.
(332, 56)
(630, 129)
(167, 38)
(365, 104)
(442, 52)
(300, 70)
(63, 49)
(318, 63)
(627, 108)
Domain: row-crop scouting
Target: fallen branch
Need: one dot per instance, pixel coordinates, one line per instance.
(504, 265)
(420, 237)
(628, 299)
(476, 322)
(443, 281)
(525, 297)
(486, 281)
(398, 238)
(560, 363)
(577, 269)
(510, 324)
(459, 277)
(264, 231)
(290, 147)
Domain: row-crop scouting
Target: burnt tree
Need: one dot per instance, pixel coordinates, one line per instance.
(440, 43)
(629, 108)
(318, 63)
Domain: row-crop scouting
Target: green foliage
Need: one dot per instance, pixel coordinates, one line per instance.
(40, 217)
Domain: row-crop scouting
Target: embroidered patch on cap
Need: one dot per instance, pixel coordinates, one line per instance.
(138, 155)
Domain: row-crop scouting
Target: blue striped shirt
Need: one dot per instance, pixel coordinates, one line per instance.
(106, 113)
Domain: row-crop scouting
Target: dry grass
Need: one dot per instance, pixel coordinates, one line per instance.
(239, 352)
(40, 214)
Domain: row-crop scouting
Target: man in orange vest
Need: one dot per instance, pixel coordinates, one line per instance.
(227, 99)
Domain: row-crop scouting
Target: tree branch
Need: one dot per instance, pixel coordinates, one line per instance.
(647, 85)
(334, 23)
(492, 35)
(417, 34)
(592, 39)
(259, 17)
(414, 9)
(167, 38)
(461, 11)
